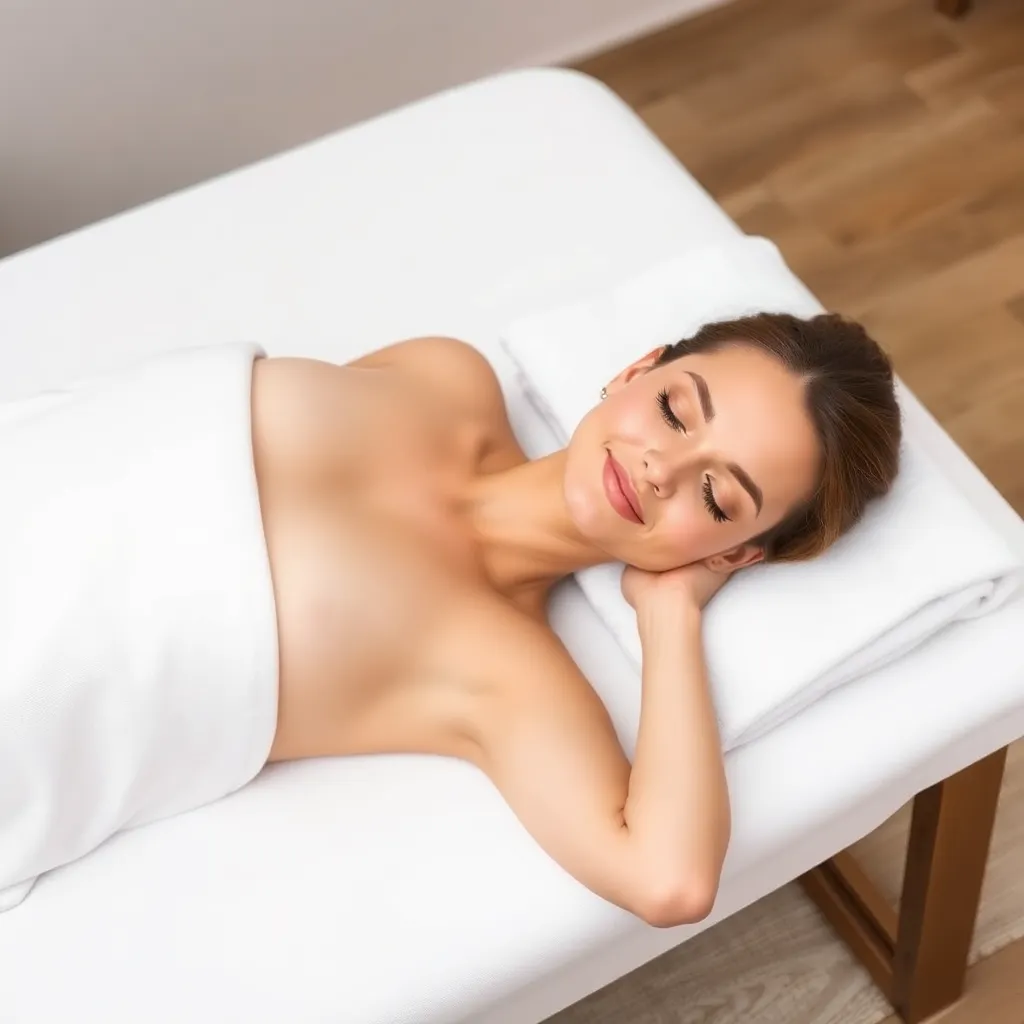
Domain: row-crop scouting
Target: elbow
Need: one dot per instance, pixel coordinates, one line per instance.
(679, 902)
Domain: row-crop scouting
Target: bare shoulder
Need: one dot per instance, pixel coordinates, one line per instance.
(453, 369)
(463, 388)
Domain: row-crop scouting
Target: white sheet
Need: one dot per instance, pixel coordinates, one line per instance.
(400, 890)
(807, 628)
(138, 665)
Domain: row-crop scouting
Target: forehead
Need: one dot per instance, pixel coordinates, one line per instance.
(747, 373)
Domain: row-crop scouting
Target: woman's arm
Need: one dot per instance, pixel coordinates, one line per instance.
(653, 838)
(678, 799)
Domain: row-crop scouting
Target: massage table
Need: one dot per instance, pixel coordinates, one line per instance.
(393, 890)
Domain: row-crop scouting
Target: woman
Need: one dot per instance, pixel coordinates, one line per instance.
(413, 548)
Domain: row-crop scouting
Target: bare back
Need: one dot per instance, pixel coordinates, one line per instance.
(382, 605)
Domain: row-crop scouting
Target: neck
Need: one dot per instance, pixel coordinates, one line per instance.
(525, 535)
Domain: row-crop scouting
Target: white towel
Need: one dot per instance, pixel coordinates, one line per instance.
(138, 641)
(780, 636)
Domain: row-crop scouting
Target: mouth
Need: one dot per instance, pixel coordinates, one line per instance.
(620, 492)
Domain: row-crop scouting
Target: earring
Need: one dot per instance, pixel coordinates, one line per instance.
(604, 394)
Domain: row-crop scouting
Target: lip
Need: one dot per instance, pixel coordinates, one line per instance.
(620, 492)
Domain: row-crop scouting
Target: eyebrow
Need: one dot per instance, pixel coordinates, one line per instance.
(706, 408)
(747, 484)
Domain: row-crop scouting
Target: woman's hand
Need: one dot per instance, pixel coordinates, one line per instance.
(695, 583)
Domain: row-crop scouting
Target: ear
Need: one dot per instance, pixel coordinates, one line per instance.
(642, 365)
(735, 558)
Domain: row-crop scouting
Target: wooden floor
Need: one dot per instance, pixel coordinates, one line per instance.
(881, 146)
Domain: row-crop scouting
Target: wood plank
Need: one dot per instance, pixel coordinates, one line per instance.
(957, 364)
(985, 280)
(961, 75)
(1016, 307)
(1005, 91)
(762, 142)
(801, 242)
(953, 8)
(966, 364)
(893, 39)
(721, 38)
(993, 434)
(988, 44)
(850, 276)
(921, 172)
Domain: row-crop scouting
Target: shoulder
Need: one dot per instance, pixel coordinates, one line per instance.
(462, 387)
(453, 369)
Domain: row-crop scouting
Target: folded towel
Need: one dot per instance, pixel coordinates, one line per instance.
(777, 637)
(138, 642)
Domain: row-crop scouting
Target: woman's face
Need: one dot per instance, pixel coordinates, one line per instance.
(692, 459)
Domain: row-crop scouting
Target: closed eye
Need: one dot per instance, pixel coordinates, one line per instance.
(667, 414)
(711, 505)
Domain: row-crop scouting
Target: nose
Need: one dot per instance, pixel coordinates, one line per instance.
(663, 470)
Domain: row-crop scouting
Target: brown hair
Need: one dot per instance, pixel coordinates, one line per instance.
(852, 403)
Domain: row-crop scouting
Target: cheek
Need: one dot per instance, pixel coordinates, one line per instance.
(683, 536)
(689, 534)
(627, 416)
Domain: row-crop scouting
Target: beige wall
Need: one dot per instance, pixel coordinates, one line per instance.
(105, 104)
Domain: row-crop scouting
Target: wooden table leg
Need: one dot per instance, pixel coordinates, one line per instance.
(953, 8)
(950, 836)
(918, 955)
